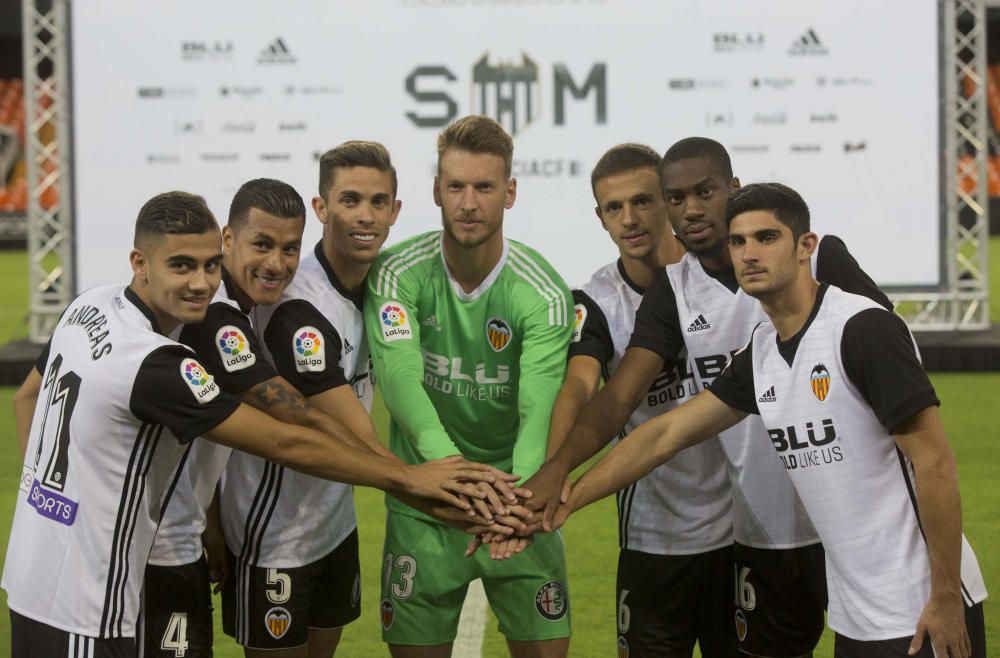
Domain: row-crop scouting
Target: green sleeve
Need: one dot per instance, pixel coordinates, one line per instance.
(399, 367)
(543, 367)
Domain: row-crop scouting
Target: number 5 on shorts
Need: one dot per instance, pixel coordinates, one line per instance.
(283, 590)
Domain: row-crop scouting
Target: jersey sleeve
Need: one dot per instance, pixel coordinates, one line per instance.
(835, 265)
(306, 347)
(734, 386)
(543, 367)
(174, 389)
(657, 325)
(228, 347)
(394, 339)
(880, 360)
(43, 358)
(591, 334)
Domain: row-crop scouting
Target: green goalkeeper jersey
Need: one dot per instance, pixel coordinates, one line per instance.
(467, 373)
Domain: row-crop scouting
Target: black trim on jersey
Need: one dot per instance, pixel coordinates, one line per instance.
(657, 324)
(133, 297)
(356, 297)
(595, 334)
(265, 500)
(279, 336)
(835, 265)
(734, 385)
(133, 488)
(627, 279)
(173, 481)
(43, 359)
(726, 277)
(233, 290)
(788, 348)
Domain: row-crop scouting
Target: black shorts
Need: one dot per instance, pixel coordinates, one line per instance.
(33, 639)
(176, 617)
(778, 598)
(847, 648)
(665, 603)
(274, 608)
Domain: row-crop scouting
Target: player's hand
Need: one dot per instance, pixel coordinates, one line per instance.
(548, 487)
(559, 517)
(943, 619)
(504, 485)
(447, 480)
(215, 555)
(508, 548)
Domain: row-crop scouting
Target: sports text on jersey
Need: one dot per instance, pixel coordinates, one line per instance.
(450, 376)
(699, 324)
(309, 350)
(673, 384)
(234, 349)
(95, 323)
(814, 451)
(51, 505)
(395, 322)
(201, 383)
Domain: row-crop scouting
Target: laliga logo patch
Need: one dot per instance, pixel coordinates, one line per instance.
(581, 317)
(622, 647)
(551, 601)
(741, 625)
(234, 349)
(819, 380)
(310, 350)
(395, 322)
(388, 614)
(278, 621)
(498, 334)
(201, 383)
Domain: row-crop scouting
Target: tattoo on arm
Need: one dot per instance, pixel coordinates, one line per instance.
(270, 397)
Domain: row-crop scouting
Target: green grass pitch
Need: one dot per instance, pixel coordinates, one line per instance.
(591, 535)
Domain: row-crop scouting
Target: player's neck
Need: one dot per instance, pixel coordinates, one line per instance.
(789, 309)
(350, 273)
(717, 261)
(470, 266)
(233, 287)
(165, 323)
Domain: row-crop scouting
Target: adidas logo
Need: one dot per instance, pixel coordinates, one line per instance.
(808, 44)
(348, 348)
(276, 52)
(699, 324)
(432, 322)
(768, 396)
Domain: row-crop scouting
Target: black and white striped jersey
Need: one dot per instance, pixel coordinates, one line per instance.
(119, 405)
(314, 336)
(830, 398)
(682, 507)
(227, 345)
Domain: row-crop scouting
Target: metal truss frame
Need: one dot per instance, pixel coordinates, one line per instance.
(961, 303)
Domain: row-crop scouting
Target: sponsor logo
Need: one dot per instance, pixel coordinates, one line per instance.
(199, 51)
(819, 381)
(275, 157)
(732, 42)
(699, 324)
(187, 127)
(674, 383)
(201, 383)
(826, 117)
(241, 127)
(234, 349)
(714, 119)
(581, 318)
(276, 52)
(165, 92)
(52, 505)
(291, 126)
(805, 148)
(310, 350)
(551, 601)
(162, 158)
(277, 621)
(544, 168)
(449, 376)
(395, 322)
(432, 322)
(622, 647)
(310, 90)
(855, 147)
(750, 148)
(498, 334)
(687, 84)
(239, 91)
(770, 119)
(348, 348)
(741, 625)
(768, 396)
(765, 82)
(219, 157)
(814, 450)
(842, 81)
(808, 44)
(510, 92)
(387, 613)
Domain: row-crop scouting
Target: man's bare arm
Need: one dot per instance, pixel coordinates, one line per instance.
(25, 400)
(583, 376)
(343, 404)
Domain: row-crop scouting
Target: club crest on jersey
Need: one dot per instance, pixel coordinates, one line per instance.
(741, 625)
(551, 601)
(498, 334)
(388, 614)
(622, 647)
(819, 380)
(201, 383)
(310, 350)
(234, 349)
(277, 621)
(395, 322)
(581, 317)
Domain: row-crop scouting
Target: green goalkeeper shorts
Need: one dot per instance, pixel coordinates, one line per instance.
(425, 578)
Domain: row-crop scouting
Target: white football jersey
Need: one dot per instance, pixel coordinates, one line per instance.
(118, 403)
(684, 506)
(314, 336)
(856, 484)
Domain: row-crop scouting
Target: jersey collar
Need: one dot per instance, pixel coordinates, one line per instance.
(628, 280)
(788, 348)
(357, 298)
(487, 282)
(133, 297)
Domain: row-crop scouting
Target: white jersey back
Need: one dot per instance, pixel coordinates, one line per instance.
(855, 483)
(118, 403)
(315, 338)
(684, 506)
(767, 513)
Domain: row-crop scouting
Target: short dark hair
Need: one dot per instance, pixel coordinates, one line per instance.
(355, 153)
(269, 195)
(785, 203)
(478, 134)
(622, 158)
(173, 213)
(691, 148)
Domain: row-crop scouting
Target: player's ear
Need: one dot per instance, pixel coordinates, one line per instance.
(734, 184)
(396, 206)
(437, 192)
(138, 261)
(227, 238)
(319, 208)
(510, 194)
(807, 245)
(600, 216)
